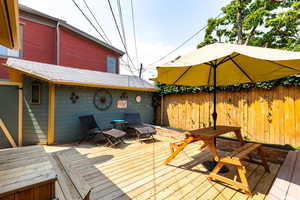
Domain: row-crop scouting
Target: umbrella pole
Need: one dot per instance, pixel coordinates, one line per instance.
(215, 115)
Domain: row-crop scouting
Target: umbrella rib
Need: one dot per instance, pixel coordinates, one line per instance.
(282, 65)
(238, 66)
(227, 58)
(182, 75)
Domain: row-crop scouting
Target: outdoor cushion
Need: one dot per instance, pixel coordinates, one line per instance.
(143, 129)
(115, 133)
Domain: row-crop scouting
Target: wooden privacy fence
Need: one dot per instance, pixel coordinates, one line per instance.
(268, 116)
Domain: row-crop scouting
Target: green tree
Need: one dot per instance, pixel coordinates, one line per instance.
(265, 23)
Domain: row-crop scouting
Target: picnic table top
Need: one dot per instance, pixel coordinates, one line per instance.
(210, 132)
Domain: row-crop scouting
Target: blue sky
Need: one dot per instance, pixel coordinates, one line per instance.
(161, 25)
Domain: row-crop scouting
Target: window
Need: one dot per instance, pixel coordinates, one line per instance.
(111, 64)
(35, 93)
(9, 52)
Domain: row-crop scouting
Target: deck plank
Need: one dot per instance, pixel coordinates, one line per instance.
(282, 182)
(64, 182)
(177, 175)
(265, 183)
(165, 177)
(217, 188)
(136, 181)
(294, 189)
(127, 173)
(229, 192)
(253, 180)
(78, 181)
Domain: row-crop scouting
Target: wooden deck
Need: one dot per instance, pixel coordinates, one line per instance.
(136, 171)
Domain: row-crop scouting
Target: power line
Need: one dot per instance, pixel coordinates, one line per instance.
(127, 65)
(183, 43)
(124, 32)
(121, 21)
(122, 26)
(106, 40)
(119, 32)
(91, 12)
(134, 34)
(88, 19)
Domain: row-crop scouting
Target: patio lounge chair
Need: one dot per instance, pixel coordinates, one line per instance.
(91, 129)
(135, 125)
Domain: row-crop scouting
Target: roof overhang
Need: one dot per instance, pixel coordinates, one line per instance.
(73, 83)
(9, 24)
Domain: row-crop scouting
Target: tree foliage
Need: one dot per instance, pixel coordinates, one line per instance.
(264, 23)
(289, 81)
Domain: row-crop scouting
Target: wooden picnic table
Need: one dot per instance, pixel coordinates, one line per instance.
(208, 136)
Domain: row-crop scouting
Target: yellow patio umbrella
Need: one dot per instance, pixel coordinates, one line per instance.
(222, 64)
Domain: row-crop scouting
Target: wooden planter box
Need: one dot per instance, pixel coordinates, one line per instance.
(40, 191)
(26, 174)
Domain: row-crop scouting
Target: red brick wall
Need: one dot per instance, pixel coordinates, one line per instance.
(79, 52)
(3, 70)
(39, 42)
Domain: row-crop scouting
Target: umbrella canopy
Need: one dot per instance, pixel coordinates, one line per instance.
(227, 64)
(235, 64)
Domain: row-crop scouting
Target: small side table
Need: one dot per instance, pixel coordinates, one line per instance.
(119, 123)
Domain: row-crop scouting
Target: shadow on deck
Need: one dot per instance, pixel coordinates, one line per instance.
(138, 172)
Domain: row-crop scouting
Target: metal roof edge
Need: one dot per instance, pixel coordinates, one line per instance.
(58, 82)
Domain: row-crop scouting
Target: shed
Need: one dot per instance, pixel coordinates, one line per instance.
(55, 96)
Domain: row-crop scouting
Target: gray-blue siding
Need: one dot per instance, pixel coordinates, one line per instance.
(67, 125)
(9, 113)
(35, 116)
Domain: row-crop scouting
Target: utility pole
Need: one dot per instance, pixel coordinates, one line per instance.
(141, 69)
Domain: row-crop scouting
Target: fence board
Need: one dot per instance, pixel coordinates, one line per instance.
(269, 116)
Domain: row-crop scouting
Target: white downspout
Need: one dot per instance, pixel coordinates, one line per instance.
(57, 43)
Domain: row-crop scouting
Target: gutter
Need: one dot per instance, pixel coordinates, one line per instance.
(57, 43)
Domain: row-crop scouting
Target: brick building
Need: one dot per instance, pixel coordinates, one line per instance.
(53, 41)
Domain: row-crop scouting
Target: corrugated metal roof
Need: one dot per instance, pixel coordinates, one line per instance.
(74, 76)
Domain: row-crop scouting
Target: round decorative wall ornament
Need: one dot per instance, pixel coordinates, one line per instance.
(138, 99)
(74, 97)
(102, 99)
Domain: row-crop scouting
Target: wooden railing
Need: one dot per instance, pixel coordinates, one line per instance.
(268, 116)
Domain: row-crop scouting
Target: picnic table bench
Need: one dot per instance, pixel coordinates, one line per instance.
(286, 185)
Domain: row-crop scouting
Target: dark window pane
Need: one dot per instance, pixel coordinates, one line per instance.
(35, 94)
